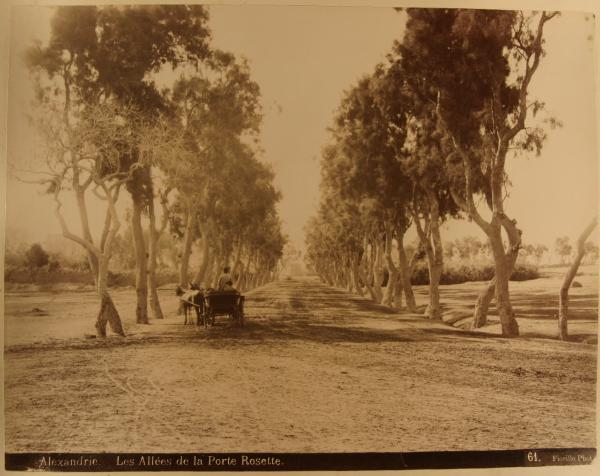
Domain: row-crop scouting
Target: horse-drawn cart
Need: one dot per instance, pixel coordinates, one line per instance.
(223, 303)
(210, 303)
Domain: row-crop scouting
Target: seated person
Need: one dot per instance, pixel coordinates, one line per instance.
(225, 282)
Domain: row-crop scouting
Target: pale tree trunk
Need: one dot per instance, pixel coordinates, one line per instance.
(199, 278)
(248, 270)
(215, 271)
(141, 269)
(264, 275)
(188, 240)
(325, 274)
(336, 274)
(98, 256)
(339, 271)
(356, 276)
(241, 283)
(253, 275)
(434, 266)
(504, 268)
(432, 244)
(108, 313)
(365, 270)
(85, 225)
(405, 272)
(236, 260)
(349, 278)
(213, 266)
(437, 265)
(483, 304)
(154, 237)
(563, 301)
(398, 288)
(414, 258)
(258, 274)
(367, 283)
(510, 258)
(378, 271)
(388, 298)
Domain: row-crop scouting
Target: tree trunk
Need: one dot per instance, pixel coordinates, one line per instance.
(431, 241)
(85, 226)
(510, 327)
(152, 263)
(241, 283)
(236, 260)
(398, 288)
(188, 240)
(365, 279)
(108, 313)
(388, 298)
(434, 266)
(563, 302)
(356, 277)
(141, 268)
(483, 304)
(405, 273)
(437, 264)
(201, 273)
(378, 271)
(348, 273)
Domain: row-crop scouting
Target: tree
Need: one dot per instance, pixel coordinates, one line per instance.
(86, 150)
(36, 258)
(475, 67)
(162, 143)
(539, 251)
(216, 108)
(563, 303)
(591, 250)
(563, 248)
(527, 251)
(111, 53)
(362, 175)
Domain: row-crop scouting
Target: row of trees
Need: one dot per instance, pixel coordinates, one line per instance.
(471, 248)
(564, 249)
(425, 138)
(187, 155)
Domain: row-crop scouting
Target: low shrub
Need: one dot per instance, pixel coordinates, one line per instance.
(465, 273)
(525, 272)
(22, 275)
(55, 274)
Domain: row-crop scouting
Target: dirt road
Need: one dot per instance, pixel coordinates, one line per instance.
(315, 369)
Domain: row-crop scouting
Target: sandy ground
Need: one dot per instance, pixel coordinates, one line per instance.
(315, 369)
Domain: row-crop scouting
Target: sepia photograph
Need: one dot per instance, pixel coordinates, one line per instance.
(300, 236)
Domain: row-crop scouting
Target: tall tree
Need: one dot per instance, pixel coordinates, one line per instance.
(218, 108)
(563, 301)
(113, 51)
(563, 248)
(87, 151)
(476, 67)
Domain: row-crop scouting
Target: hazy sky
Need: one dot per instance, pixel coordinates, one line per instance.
(304, 58)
